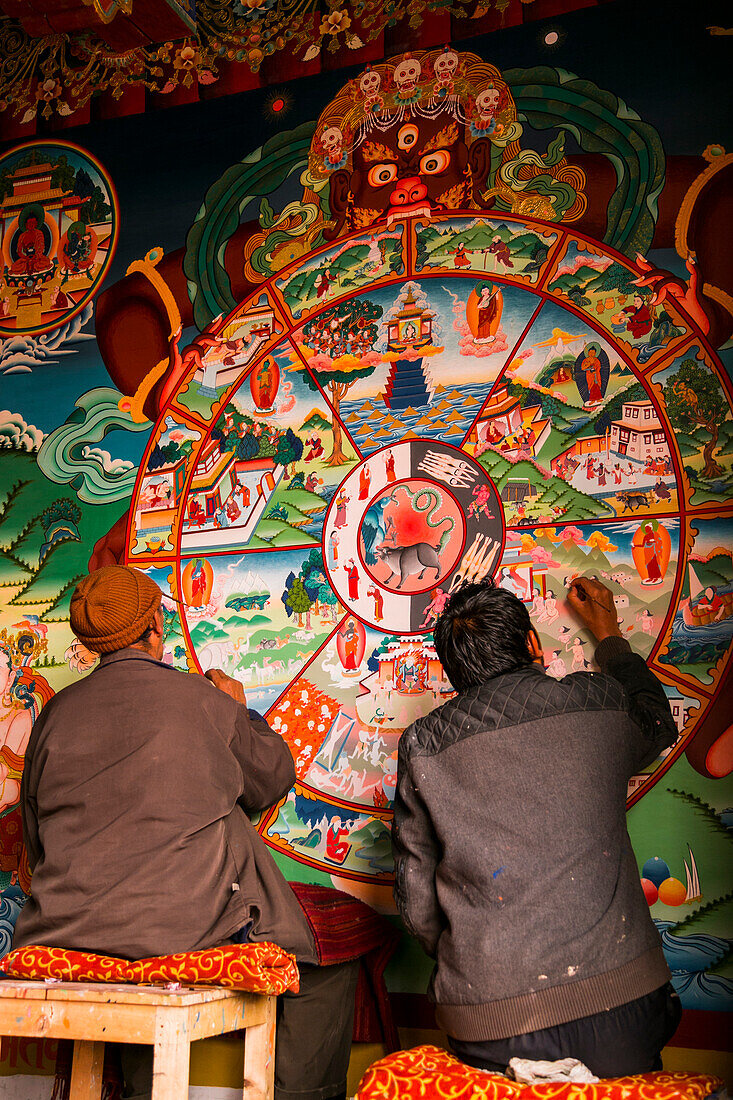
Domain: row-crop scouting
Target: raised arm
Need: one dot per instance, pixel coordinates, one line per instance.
(649, 708)
(416, 853)
(265, 759)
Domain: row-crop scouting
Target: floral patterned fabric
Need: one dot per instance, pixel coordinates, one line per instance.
(252, 967)
(429, 1073)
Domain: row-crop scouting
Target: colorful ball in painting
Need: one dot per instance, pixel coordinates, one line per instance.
(672, 892)
(650, 891)
(655, 870)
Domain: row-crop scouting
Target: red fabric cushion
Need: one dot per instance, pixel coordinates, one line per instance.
(251, 967)
(428, 1073)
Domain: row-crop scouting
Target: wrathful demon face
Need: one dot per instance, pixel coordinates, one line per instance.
(416, 166)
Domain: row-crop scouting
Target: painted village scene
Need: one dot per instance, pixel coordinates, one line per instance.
(425, 396)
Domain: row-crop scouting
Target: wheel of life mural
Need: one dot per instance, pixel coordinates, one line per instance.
(423, 404)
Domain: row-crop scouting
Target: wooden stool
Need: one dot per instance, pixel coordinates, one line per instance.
(92, 1014)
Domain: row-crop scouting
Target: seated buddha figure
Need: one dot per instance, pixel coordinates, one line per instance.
(33, 258)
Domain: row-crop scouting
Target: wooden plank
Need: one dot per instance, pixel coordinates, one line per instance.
(259, 1057)
(86, 1071)
(207, 1020)
(120, 994)
(171, 1055)
(70, 1020)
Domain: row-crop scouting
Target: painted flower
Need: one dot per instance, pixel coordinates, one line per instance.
(49, 90)
(252, 9)
(334, 22)
(187, 57)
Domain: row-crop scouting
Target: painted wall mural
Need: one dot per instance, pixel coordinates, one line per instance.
(59, 231)
(391, 350)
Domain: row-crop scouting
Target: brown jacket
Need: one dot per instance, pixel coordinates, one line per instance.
(137, 785)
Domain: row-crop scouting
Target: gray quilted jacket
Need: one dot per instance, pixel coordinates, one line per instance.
(514, 868)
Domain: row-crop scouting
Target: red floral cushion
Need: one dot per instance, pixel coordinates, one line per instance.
(429, 1073)
(252, 967)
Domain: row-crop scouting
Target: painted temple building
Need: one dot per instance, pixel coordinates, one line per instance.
(408, 382)
(639, 433)
(411, 665)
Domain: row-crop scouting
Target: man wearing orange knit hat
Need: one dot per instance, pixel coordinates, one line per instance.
(137, 785)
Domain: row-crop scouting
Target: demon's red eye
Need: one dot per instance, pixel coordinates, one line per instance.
(432, 163)
(407, 137)
(380, 174)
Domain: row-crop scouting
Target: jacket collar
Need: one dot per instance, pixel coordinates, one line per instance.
(523, 670)
(129, 654)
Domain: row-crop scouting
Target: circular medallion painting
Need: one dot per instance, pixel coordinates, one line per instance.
(58, 211)
(423, 404)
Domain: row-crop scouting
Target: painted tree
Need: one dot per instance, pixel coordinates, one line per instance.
(289, 449)
(156, 458)
(60, 511)
(286, 593)
(695, 400)
(616, 278)
(299, 601)
(313, 576)
(63, 175)
(338, 341)
(247, 447)
(327, 598)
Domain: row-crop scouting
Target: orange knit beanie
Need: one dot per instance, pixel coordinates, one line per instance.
(112, 607)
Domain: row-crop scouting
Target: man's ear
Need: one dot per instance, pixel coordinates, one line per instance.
(158, 623)
(338, 201)
(534, 645)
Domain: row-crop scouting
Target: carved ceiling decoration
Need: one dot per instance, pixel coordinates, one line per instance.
(58, 55)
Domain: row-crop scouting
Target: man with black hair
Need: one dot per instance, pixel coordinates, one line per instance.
(514, 868)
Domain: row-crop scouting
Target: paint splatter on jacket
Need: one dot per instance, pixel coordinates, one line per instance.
(514, 868)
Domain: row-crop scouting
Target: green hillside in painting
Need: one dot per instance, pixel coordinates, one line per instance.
(315, 419)
(551, 492)
(26, 495)
(441, 244)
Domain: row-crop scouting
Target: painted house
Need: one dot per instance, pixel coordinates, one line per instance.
(158, 498)
(411, 665)
(518, 489)
(639, 433)
(501, 417)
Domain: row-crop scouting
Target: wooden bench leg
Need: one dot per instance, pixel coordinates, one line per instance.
(259, 1057)
(171, 1058)
(86, 1070)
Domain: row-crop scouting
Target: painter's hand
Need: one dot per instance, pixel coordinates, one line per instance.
(593, 604)
(227, 684)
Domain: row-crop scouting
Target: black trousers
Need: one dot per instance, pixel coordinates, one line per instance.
(313, 1041)
(624, 1040)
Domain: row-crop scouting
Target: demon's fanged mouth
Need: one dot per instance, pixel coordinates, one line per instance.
(414, 210)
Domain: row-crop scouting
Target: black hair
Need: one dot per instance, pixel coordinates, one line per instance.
(481, 633)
